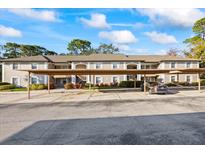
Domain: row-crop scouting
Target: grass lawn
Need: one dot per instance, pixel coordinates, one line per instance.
(15, 89)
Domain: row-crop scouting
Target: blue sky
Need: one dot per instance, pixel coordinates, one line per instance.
(134, 31)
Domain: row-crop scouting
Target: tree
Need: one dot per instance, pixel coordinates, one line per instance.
(196, 44)
(31, 50)
(173, 52)
(78, 46)
(199, 28)
(48, 52)
(107, 49)
(12, 50)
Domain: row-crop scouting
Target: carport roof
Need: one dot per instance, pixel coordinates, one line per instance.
(112, 72)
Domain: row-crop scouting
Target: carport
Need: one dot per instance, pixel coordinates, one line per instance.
(145, 72)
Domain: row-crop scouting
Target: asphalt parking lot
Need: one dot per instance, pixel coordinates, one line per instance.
(108, 117)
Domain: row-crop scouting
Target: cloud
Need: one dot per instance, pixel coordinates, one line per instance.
(135, 25)
(123, 47)
(43, 15)
(161, 38)
(9, 32)
(173, 17)
(97, 21)
(119, 37)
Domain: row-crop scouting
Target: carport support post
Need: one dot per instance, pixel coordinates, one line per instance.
(178, 78)
(199, 82)
(145, 84)
(28, 88)
(90, 82)
(48, 84)
(135, 81)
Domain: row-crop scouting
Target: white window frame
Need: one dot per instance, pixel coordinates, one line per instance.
(36, 66)
(190, 64)
(36, 78)
(18, 80)
(99, 64)
(174, 65)
(12, 66)
(190, 78)
(118, 80)
(101, 79)
(118, 65)
(174, 77)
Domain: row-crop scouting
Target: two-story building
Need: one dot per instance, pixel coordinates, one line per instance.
(11, 74)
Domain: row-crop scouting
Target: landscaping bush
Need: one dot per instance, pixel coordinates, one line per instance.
(68, 86)
(77, 86)
(184, 84)
(171, 84)
(129, 84)
(87, 85)
(38, 86)
(203, 82)
(4, 83)
(114, 84)
(5, 87)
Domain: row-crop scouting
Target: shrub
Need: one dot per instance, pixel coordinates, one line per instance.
(77, 86)
(41, 86)
(194, 84)
(203, 82)
(130, 84)
(87, 85)
(68, 86)
(171, 84)
(4, 83)
(114, 84)
(38, 86)
(5, 87)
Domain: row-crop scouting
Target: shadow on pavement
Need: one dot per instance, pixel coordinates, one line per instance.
(187, 128)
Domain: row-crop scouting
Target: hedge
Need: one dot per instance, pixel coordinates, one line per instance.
(6, 87)
(38, 86)
(185, 84)
(69, 86)
(4, 83)
(130, 84)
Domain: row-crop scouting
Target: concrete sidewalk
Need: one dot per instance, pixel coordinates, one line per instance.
(61, 95)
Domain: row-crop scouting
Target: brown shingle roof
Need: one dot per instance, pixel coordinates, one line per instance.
(100, 57)
(27, 59)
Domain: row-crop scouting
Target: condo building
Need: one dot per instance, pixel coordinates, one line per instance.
(11, 67)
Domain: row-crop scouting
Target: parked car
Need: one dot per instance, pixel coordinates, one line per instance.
(155, 88)
(158, 89)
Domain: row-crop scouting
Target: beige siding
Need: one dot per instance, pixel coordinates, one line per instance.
(22, 76)
(182, 77)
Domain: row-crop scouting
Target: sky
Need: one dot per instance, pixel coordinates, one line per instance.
(133, 31)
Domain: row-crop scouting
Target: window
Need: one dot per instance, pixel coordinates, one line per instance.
(15, 66)
(98, 80)
(173, 65)
(114, 79)
(188, 65)
(15, 81)
(97, 65)
(33, 66)
(114, 65)
(173, 79)
(188, 79)
(147, 66)
(34, 80)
